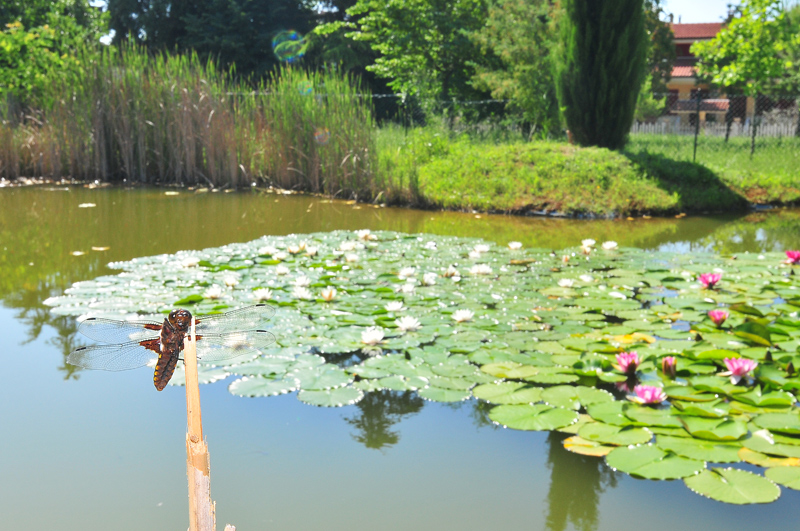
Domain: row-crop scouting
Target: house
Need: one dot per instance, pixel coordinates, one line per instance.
(684, 87)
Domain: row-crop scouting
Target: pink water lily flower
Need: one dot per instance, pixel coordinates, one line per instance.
(647, 394)
(738, 368)
(668, 366)
(709, 280)
(718, 316)
(793, 257)
(627, 362)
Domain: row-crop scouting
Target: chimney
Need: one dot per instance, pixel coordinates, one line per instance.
(671, 18)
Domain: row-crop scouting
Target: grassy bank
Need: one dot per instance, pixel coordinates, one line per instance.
(524, 177)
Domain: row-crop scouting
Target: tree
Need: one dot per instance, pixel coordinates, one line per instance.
(423, 46)
(661, 51)
(599, 68)
(748, 54)
(232, 32)
(39, 37)
(516, 40)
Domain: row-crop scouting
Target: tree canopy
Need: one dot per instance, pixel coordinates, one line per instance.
(751, 53)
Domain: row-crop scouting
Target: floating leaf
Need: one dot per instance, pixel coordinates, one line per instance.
(532, 417)
(578, 445)
(730, 485)
(786, 476)
(616, 435)
(763, 460)
(258, 386)
(438, 394)
(649, 462)
(763, 441)
(341, 396)
(779, 422)
(754, 332)
(508, 393)
(716, 451)
(714, 429)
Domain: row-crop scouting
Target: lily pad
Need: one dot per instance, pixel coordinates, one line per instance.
(779, 422)
(786, 476)
(537, 417)
(716, 451)
(578, 445)
(508, 393)
(735, 486)
(338, 397)
(615, 435)
(650, 462)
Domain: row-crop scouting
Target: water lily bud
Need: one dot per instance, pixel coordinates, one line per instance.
(668, 366)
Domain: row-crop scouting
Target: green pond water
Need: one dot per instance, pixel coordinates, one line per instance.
(95, 450)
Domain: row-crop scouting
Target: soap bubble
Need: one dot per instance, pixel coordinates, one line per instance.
(305, 87)
(289, 46)
(322, 135)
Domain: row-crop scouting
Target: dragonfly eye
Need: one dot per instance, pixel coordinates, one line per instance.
(180, 318)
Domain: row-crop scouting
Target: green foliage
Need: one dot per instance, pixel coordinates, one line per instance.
(127, 114)
(519, 34)
(231, 32)
(423, 45)
(661, 54)
(649, 106)
(40, 39)
(599, 69)
(748, 54)
(502, 324)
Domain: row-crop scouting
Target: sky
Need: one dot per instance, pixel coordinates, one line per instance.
(691, 11)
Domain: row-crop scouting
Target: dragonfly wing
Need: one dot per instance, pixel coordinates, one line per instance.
(222, 347)
(249, 318)
(111, 331)
(119, 357)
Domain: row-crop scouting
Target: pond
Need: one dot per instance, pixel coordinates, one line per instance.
(88, 449)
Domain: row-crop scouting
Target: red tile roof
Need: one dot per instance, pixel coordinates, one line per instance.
(684, 67)
(715, 105)
(705, 30)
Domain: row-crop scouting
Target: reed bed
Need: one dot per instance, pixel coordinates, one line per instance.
(127, 115)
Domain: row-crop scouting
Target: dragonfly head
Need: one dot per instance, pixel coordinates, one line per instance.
(180, 319)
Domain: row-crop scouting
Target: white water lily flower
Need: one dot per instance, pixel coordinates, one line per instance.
(328, 294)
(588, 242)
(480, 269)
(450, 272)
(347, 246)
(280, 255)
(429, 279)
(269, 249)
(213, 292)
(281, 270)
(408, 323)
(462, 316)
(351, 258)
(586, 278)
(406, 288)
(407, 272)
(394, 306)
(431, 246)
(365, 235)
(190, 261)
(481, 248)
(293, 249)
(617, 295)
(311, 251)
(586, 249)
(300, 292)
(230, 280)
(474, 255)
(262, 294)
(372, 335)
(566, 282)
(514, 245)
(302, 281)
(609, 245)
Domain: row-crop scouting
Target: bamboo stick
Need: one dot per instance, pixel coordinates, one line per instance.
(201, 508)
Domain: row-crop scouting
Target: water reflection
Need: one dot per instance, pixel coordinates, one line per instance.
(378, 412)
(576, 482)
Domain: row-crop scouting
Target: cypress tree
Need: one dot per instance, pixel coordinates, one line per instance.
(599, 68)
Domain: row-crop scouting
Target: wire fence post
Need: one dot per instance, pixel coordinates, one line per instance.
(696, 126)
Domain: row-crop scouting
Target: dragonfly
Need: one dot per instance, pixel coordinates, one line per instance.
(132, 344)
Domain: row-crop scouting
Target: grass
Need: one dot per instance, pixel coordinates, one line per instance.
(128, 115)
(522, 177)
(771, 175)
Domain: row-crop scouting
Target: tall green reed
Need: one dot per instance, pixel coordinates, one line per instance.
(168, 118)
